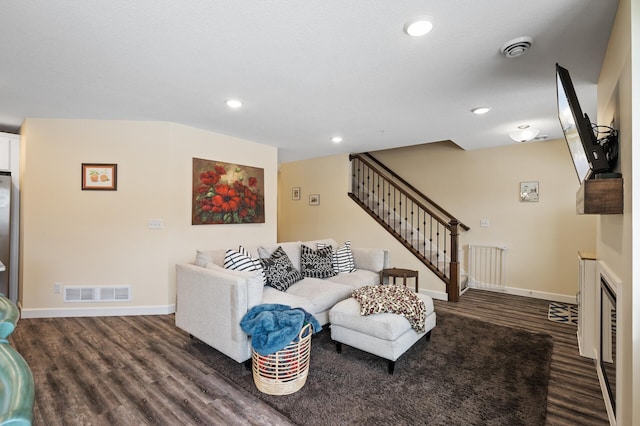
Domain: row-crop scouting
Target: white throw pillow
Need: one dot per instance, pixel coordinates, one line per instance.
(241, 261)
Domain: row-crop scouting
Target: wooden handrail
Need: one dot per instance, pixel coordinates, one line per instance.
(393, 174)
(373, 167)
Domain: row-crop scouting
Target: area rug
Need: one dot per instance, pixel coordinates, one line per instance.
(469, 373)
(565, 313)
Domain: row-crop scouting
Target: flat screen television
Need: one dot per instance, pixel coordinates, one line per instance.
(587, 154)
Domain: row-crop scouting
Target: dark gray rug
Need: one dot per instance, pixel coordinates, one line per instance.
(469, 373)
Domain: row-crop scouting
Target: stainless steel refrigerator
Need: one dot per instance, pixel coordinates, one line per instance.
(5, 230)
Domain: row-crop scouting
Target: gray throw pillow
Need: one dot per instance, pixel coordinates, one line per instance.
(279, 270)
(317, 263)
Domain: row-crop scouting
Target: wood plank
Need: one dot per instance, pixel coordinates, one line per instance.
(140, 369)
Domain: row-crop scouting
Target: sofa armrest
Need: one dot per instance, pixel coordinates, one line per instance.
(372, 259)
(209, 305)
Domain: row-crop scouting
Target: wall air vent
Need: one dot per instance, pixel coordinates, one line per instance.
(97, 294)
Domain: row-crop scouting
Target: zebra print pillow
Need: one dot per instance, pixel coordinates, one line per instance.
(317, 263)
(241, 261)
(343, 261)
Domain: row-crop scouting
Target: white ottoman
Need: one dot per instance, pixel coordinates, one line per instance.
(385, 335)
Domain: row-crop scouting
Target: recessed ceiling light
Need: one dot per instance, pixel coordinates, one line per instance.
(418, 27)
(233, 103)
(481, 110)
(336, 139)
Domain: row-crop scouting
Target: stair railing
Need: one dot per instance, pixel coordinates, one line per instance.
(421, 225)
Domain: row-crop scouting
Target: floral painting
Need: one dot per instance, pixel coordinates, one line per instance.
(225, 193)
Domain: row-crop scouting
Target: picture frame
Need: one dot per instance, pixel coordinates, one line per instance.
(226, 193)
(314, 199)
(99, 177)
(529, 192)
(295, 193)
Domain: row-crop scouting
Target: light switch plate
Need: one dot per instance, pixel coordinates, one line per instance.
(156, 224)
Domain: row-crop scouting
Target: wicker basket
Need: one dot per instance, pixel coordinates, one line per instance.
(284, 372)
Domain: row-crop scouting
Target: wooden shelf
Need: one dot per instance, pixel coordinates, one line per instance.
(600, 196)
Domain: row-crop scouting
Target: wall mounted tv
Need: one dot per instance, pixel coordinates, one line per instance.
(590, 156)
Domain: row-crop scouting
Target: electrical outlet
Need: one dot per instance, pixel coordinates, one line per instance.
(484, 223)
(57, 288)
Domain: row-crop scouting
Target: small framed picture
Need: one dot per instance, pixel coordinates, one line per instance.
(99, 176)
(529, 192)
(314, 199)
(295, 193)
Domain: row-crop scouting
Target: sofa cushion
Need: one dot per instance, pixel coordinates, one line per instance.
(322, 293)
(240, 260)
(372, 259)
(358, 278)
(255, 283)
(316, 263)
(342, 258)
(271, 295)
(210, 256)
(279, 270)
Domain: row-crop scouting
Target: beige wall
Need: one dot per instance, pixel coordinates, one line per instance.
(101, 238)
(542, 238)
(616, 237)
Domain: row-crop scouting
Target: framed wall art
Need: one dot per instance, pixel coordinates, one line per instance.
(295, 193)
(99, 176)
(529, 192)
(314, 199)
(226, 193)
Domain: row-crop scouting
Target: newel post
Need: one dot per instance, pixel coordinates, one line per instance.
(453, 288)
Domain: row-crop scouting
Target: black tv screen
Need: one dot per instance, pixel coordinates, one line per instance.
(587, 155)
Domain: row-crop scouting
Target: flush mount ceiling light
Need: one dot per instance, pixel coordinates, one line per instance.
(524, 133)
(480, 110)
(336, 139)
(233, 103)
(418, 27)
(516, 47)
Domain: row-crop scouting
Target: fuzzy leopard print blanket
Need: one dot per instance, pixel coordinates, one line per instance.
(394, 299)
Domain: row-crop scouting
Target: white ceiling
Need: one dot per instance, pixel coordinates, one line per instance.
(305, 70)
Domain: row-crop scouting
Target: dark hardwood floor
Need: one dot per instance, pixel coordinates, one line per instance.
(134, 370)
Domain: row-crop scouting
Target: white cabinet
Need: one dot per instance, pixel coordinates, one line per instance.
(587, 309)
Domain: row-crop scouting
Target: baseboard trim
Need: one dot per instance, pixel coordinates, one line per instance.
(554, 297)
(118, 311)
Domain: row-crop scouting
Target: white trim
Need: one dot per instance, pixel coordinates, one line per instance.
(554, 297)
(438, 295)
(116, 311)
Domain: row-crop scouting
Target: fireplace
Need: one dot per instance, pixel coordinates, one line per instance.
(607, 344)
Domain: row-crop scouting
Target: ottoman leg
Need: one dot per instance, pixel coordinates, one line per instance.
(339, 347)
(428, 335)
(391, 366)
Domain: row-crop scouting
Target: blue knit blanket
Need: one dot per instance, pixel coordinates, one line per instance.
(272, 326)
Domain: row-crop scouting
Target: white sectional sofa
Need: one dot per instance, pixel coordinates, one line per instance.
(211, 300)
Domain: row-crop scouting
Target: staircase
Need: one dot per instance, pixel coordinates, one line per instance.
(424, 228)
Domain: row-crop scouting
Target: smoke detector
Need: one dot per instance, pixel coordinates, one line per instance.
(516, 47)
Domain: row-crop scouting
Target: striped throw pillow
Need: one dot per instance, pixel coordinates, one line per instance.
(343, 262)
(241, 260)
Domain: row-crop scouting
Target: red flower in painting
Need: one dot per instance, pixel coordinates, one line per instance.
(226, 198)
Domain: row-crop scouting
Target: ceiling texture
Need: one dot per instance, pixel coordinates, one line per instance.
(305, 70)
